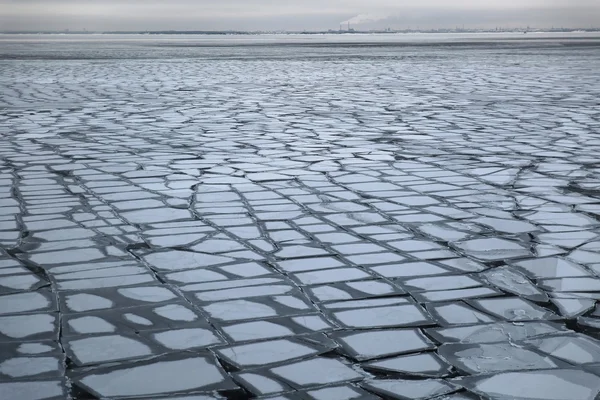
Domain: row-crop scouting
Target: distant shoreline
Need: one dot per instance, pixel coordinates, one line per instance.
(328, 32)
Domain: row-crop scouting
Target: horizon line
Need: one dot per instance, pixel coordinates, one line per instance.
(332, 31)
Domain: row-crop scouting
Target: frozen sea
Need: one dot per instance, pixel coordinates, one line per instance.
(402, 216)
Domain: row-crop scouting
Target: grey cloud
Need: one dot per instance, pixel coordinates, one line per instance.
(292, 15)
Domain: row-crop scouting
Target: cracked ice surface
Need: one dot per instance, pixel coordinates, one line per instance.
(291, 222)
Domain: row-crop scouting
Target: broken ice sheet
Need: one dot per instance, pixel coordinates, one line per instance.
(512, 226)
(567, 239)
(132, 320)
(577, 284)
(239, 310)
(551, 267)
(156, 377)
(35, 348)
(423, 364)
(493, 249)
(331, 275)
(232, 284)
(400, 315)
(176, 260)
(463, 264)
(317, 371)
(574, 348)
(441, 231)
(23, 302)
(573, 307)
(347, 392)
(176, 312)
(98, 349)
(495, 357)
(457, 314)
(259, 384)
(244, 292)
(556, 384)
(256, 330)
(512, 281)
(447, 282)
(260, 307)
(70, 256)
(583, 256)
(183, 339)
(40, 390)
(95, 283)
(308, 264)
(448, 295)
(410, 389)
(87, 302)
(152, 215)
(30, 326)
(411, 269)
(269, 352)
(312, 322)
(298, 251)
(147, 294)
(374, 344)
(354, 290)
(364, 303)
(561, 218)
(513, 309)
(479, 176)
(498, 332)
(246, 270)
(90, 324)
(372, 288)
(195, 276)
(98, 269)
(16, 283)
(21, 367)
(375, 258)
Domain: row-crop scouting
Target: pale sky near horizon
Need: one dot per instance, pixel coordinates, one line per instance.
(290, 14)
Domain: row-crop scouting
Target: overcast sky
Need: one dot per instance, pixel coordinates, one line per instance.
(290, 14)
